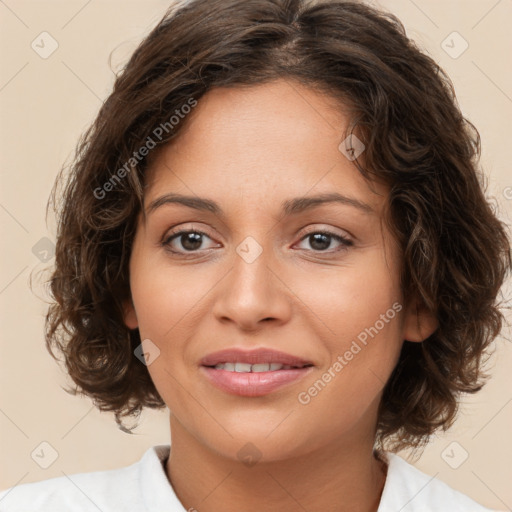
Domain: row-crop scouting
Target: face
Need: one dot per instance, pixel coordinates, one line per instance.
(281, 249)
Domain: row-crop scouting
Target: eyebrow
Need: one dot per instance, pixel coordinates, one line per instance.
(289, 207)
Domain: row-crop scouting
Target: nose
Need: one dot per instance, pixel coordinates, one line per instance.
(252, 295)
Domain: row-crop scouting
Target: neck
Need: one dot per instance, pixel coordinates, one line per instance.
(345, 477)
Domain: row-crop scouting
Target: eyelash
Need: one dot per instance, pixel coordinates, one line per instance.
(345, 242)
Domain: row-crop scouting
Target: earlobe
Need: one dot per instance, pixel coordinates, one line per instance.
(419, 322)
(130, 316)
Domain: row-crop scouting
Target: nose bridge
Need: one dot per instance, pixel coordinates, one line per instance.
(251, 268)
(251, 292)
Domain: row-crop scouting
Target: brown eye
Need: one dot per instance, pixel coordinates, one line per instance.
(321, 241)
(185, 241)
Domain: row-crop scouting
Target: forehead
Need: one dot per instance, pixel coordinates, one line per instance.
(261, 144)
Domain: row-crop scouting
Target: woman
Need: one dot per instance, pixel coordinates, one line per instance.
(275, 227)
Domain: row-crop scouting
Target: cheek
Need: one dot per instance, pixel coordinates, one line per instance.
(357, 313)
(363, 357)
(347, 300)
(170, 305)
(167, 300)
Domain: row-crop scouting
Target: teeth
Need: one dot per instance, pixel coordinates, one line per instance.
(253, 368)
(242, 367)
(263, 367)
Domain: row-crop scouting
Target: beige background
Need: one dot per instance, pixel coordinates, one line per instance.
(45, 104)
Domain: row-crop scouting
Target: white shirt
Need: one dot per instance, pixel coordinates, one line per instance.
(144, 487)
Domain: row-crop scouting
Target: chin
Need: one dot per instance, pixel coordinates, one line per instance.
(253, 443)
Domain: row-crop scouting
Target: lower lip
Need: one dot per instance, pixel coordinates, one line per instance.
(253, 384)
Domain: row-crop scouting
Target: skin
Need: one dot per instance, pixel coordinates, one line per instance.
(250, 149)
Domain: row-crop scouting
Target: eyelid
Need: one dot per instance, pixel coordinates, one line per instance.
(328, 230)
(172, 231)
(175, 234)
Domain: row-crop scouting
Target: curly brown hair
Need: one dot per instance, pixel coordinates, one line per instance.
(455, 251)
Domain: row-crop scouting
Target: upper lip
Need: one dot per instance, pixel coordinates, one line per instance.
(254, 356)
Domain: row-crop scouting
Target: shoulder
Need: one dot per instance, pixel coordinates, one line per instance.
(410, 490)
(116, 489)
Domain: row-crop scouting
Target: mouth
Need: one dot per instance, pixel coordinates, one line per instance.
(253, 373)
(256, 368)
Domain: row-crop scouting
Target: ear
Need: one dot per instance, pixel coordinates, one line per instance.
(130, 316)
(419, 322)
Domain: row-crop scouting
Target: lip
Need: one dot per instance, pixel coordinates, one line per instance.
(254, 356)
(253, 384)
